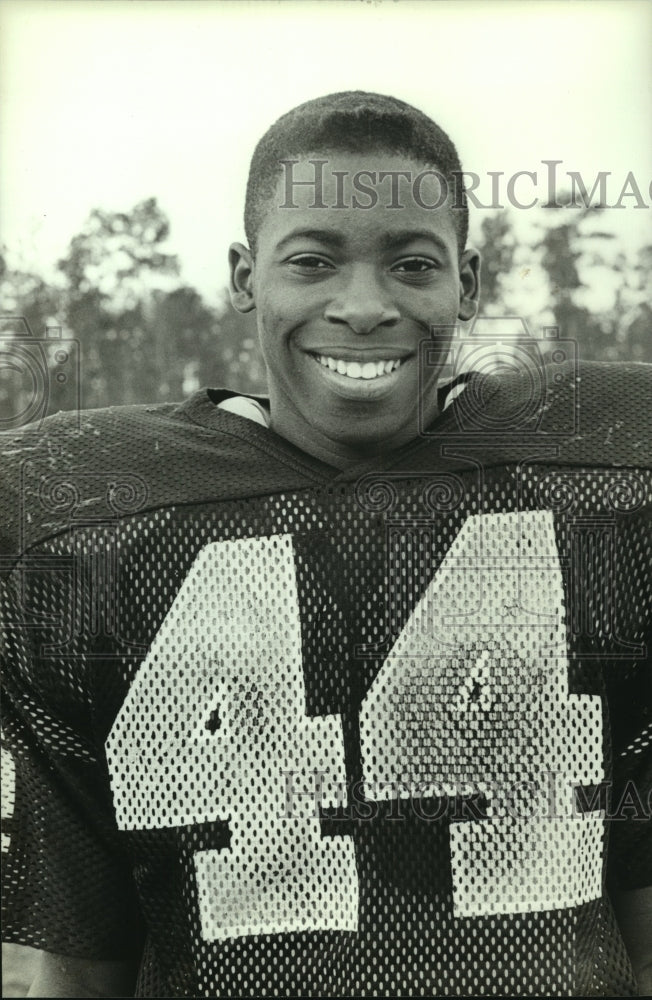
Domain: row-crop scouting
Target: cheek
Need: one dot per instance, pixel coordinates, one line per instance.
(437, 304)
(274, 332)
(444, 300)
(279, 315)
(270, 320)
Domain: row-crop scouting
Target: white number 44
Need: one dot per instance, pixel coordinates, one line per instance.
(472, 697)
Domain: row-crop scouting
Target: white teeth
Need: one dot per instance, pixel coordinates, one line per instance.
(354, 369)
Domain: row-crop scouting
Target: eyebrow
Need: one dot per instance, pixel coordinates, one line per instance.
(389, 241)
(403, 236)
(329, 236)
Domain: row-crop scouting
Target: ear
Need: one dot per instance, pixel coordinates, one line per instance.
(469, 284)
(241, 269)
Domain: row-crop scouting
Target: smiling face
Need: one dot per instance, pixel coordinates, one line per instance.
(344, 297)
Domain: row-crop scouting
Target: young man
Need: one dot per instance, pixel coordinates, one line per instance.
(336, 692)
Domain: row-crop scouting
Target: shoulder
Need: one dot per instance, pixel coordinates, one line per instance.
(596, 413)
(93, 458)
(99, 465)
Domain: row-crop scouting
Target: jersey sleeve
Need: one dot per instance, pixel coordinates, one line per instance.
(66, 886)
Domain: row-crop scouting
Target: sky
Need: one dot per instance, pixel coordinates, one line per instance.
(108, 102)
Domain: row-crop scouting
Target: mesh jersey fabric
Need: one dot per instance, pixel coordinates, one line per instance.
(285, 730)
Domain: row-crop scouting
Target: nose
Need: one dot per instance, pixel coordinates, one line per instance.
(362, 303)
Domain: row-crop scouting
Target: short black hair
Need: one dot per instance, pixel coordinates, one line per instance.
(352, 121)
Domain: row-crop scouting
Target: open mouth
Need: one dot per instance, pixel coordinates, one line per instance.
(359, 370)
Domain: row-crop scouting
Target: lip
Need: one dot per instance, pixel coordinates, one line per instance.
(361, 354)
(360, 388)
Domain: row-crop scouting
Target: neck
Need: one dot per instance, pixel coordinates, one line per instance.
(338, 453)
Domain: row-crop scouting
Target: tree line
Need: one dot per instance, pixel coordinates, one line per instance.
(146, 335)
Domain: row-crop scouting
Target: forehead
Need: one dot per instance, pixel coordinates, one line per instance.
(368, 199)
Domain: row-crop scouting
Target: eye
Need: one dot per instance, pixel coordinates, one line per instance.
(309, 263)
(415, 265)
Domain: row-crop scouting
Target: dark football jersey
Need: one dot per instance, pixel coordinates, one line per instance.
(286, 730)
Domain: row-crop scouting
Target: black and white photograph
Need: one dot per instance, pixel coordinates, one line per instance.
(326, 498)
